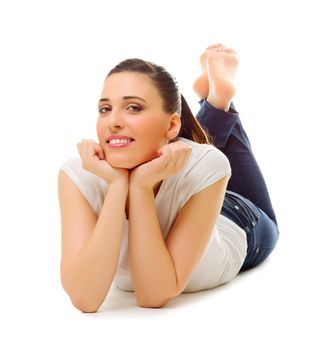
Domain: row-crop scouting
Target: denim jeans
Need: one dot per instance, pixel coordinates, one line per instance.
(247, 200)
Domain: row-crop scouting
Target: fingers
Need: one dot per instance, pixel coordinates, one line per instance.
(175, 154)
(183, 157)
(100, 153)
(90, 150)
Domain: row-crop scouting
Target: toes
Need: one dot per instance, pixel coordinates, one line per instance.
(230, 50)
(219, 48)
(215, 46)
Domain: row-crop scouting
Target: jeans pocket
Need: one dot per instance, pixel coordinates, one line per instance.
(233, 211)
(248, 212)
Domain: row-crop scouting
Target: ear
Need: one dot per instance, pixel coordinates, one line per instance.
(174, 126)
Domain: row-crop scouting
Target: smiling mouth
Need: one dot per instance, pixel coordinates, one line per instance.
(119, 142)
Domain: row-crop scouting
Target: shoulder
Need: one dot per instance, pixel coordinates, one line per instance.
(74, 169)
(207, 158)
(205, 166)
(91, 186)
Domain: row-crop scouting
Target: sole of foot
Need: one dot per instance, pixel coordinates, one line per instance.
(221, 71)
(201, 84)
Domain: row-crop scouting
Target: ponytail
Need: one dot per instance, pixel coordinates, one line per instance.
(190, 127)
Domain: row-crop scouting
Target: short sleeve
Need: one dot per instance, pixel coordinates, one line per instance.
(212, 166)
(90, 185)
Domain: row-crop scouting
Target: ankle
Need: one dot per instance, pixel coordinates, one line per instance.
(219, 104)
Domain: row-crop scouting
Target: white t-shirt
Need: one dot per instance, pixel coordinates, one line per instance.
(226, 250)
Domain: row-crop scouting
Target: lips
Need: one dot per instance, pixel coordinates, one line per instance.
(119, 141)
(118, 137)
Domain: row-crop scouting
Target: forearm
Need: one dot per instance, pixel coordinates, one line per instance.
(88, 279)
(151, 265)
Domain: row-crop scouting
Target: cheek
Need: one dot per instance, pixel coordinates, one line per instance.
(99, 130)
(98, 126)
(151, 131)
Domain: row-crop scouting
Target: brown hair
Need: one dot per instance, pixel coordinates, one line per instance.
(173, 101)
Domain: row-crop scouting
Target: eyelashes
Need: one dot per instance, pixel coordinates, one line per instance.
(106, 109)
(136, 106)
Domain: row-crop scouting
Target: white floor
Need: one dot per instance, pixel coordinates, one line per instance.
(281, 304)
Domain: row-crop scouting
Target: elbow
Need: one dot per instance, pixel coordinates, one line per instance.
(86, 303)
(85, 306)
(152, 302)
(154, 305)
(82, 302)
(150, 306)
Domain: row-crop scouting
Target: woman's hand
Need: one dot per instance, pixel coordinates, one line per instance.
(93, 160)
(171, 160)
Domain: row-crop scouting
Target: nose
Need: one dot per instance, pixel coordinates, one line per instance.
(115, 120)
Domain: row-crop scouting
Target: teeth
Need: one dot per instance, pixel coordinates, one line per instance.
(118, 141)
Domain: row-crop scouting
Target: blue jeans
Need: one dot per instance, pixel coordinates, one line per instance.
(247, 200)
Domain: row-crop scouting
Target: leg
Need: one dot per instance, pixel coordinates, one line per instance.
(220, 118)
(229, 136)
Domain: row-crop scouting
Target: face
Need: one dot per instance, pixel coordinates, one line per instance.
(131, 106)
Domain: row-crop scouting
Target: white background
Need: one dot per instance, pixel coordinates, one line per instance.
(54, 57)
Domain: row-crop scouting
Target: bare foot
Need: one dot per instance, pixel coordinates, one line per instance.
(201, 84)
(221, 71)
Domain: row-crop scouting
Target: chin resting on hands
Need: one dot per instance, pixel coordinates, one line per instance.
(171, 160)
(93, 160)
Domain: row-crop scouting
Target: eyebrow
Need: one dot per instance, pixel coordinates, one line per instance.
(124, 98)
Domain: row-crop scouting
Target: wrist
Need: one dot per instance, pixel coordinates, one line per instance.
(139, 182)
(139, 186)
(120, 182)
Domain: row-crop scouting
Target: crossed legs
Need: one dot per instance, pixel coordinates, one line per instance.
(216, 88)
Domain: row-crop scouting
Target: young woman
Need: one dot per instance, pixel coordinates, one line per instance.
(165, 203)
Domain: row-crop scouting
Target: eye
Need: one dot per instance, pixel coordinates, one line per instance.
(136, 108)
(104, 109)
